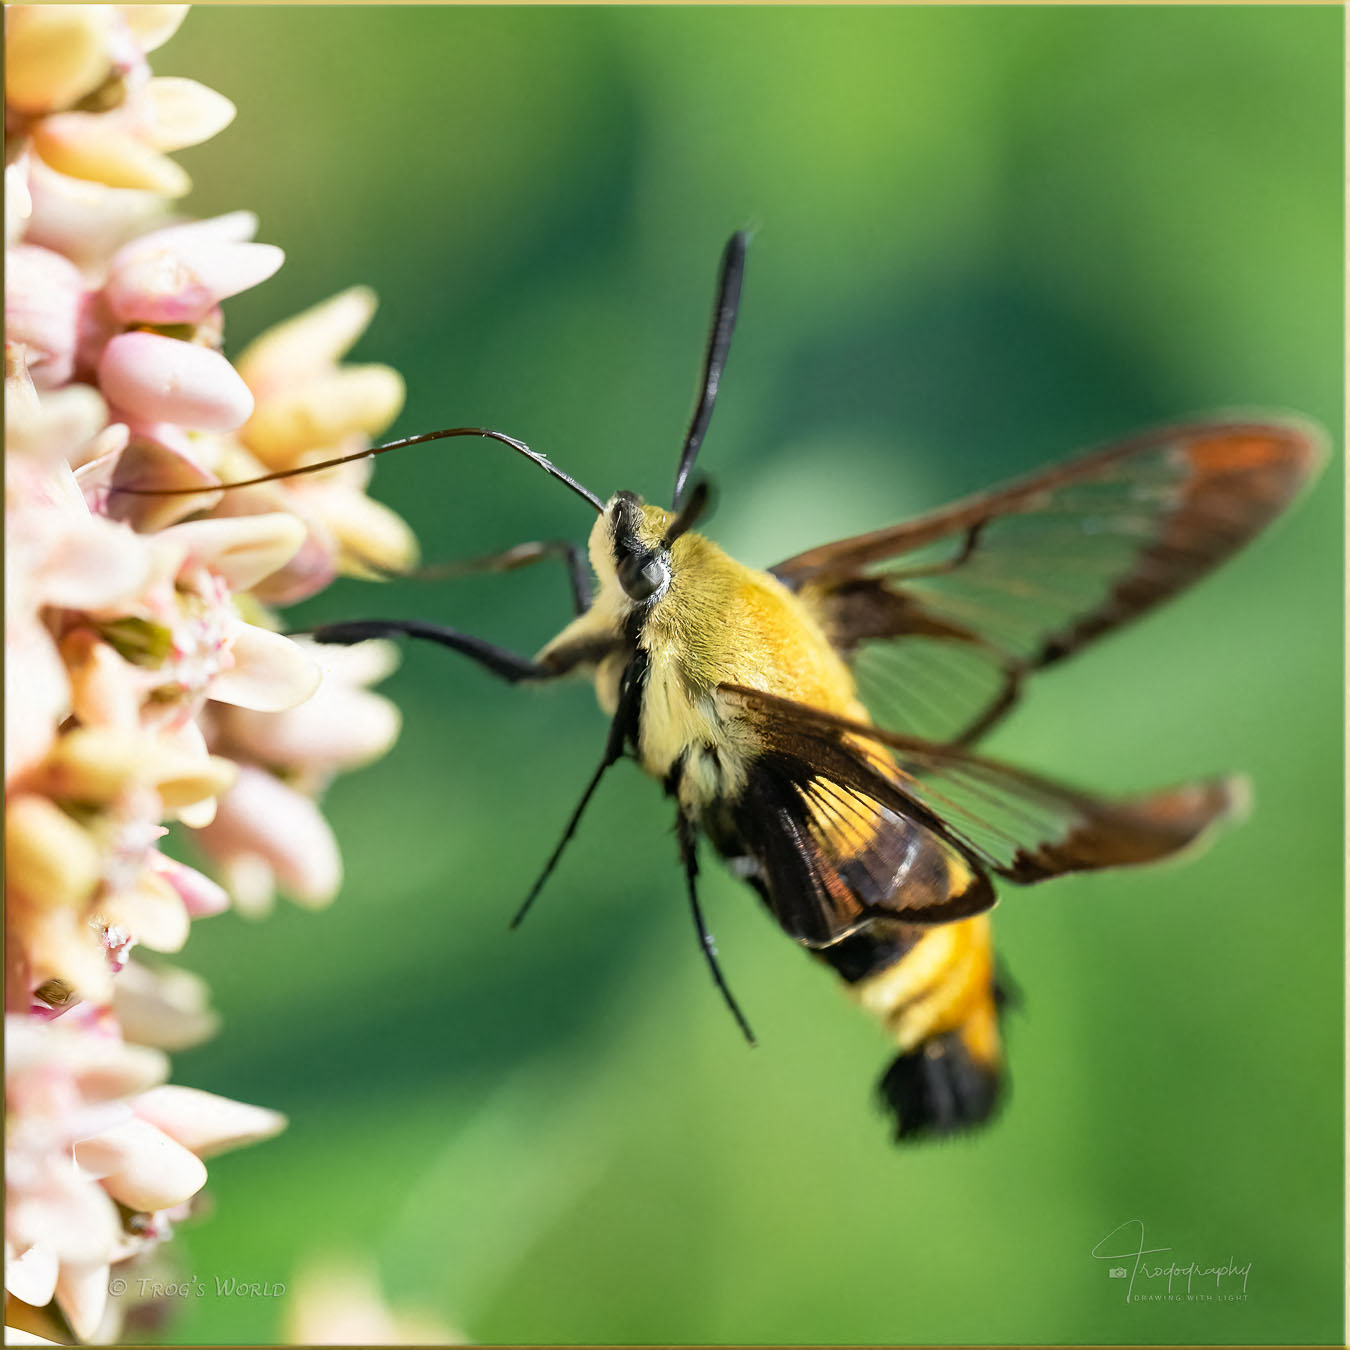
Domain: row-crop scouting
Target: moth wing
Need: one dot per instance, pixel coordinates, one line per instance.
(849, 822)
(831, 844)
(943, 617)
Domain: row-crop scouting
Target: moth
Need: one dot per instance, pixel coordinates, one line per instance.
(816, 723)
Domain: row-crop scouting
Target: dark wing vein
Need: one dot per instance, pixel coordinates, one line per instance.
(1016, 824)
(975, 597)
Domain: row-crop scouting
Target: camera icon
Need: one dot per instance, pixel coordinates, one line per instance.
(1117, 1272)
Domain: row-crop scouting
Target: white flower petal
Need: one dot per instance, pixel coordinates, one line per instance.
(198, 815)
(270, 672)
(234, 227)
(97, 565)
(87, 221)
(31, 1276)
(17, 1336)
(57, 424)
(82, 1294)
(54, 55)
(18, 199)
(205, 1123)
(37, 693)
(251, 883)
(141, 1167)
(153, 25)
(69, 1213)
(200, 895)
(106, 1069)
(106, 148)
(163, 1006)
(337, 728)
(176, 112)
(261, 818)
(242, 549)
(43, 296)
(366, 662)
(152, 913)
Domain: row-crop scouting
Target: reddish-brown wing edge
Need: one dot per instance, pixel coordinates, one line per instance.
(1294, 450)
(1102, 833)
(1244, 472)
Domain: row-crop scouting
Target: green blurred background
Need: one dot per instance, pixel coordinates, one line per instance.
(985, 238)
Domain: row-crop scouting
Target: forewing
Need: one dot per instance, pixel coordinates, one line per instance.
(831, 846)
(943, 617)
(1014, 824)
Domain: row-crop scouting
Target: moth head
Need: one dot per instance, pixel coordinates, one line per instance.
(628, 542)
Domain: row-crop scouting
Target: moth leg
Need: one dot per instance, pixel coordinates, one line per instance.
(578, 570)
(522, 555)
(684, 831)
(507, 665)
(611, 756)
(620, 728)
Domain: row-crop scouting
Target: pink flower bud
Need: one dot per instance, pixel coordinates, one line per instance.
(261, 817)
(180, 281)
(152, 25)
(204, 1123)
(141, 1166)
(162, 379)
(200, 895)
(43, 294)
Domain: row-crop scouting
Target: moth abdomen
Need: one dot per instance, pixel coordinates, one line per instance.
(934, 990)
(942, 1088)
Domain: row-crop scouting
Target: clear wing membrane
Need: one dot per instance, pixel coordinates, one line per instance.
(944, 616)
(873, 823)
(835, 846)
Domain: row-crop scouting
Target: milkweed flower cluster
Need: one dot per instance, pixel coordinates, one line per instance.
(147, 684)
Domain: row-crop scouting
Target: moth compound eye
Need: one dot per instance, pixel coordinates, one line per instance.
(642, 575)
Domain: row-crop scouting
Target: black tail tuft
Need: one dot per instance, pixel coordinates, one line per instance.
(940, 1089)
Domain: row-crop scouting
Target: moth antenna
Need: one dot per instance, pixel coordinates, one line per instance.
(725, 307)
(691, 512)
(520, 447)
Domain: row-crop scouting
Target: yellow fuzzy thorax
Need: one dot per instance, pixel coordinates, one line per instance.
(719, 622)
(730, 624)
